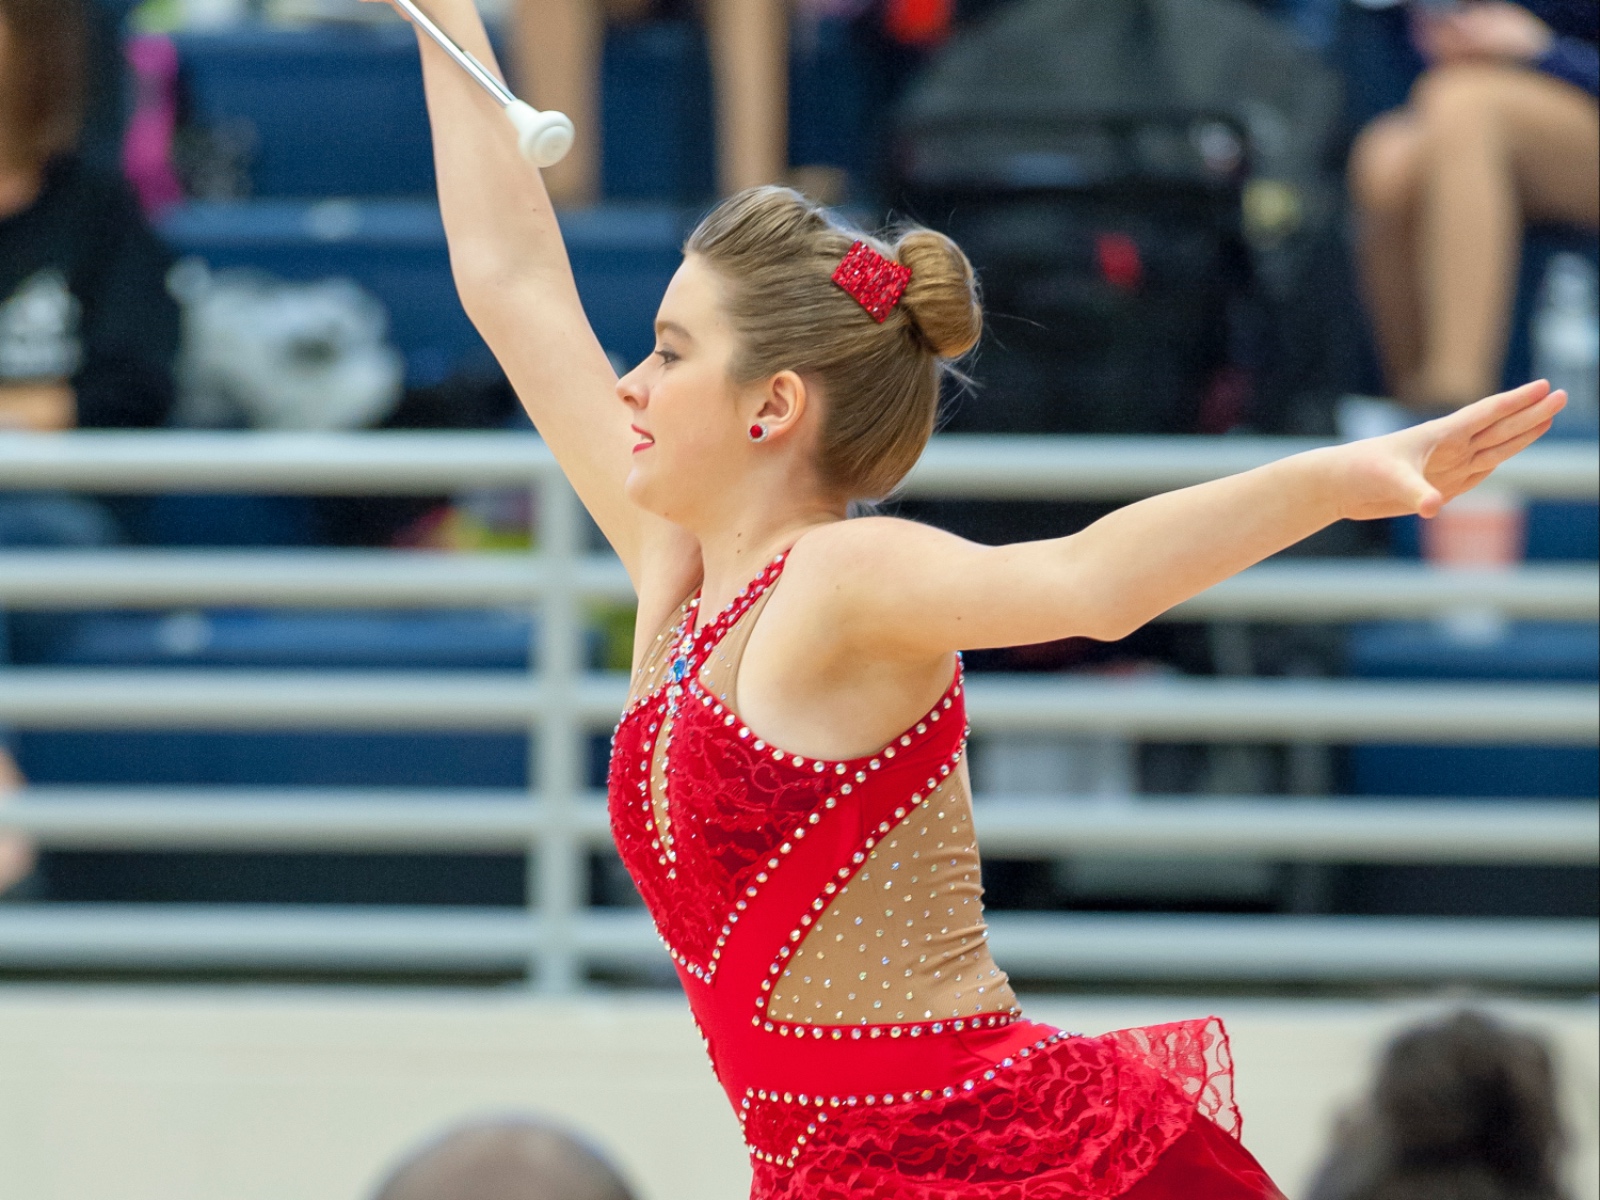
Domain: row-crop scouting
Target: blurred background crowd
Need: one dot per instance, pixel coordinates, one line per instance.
(1324, 218)
(1190, 216)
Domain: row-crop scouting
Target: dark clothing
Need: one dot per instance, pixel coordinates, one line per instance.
(83, 298)
(1575, 55)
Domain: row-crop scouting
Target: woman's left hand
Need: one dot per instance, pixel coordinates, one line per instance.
(1487, 31)
(1420, 469)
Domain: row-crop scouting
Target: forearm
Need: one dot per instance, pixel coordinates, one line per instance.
(511, 270)
(499, 221)
(1134, 564)
(37, 407)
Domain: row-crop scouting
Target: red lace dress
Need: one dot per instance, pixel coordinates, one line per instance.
(826, 920)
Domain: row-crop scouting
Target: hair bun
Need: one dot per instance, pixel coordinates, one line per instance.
(942, 297)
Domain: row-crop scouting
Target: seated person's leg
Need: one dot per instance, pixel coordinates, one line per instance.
(1385, 188)
(750, 60)
(556, 46)
(1504, 145)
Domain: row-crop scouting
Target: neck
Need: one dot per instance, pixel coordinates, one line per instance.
(733, 552)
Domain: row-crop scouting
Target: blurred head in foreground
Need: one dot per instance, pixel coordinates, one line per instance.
(1464, 1109)
(505, 1160)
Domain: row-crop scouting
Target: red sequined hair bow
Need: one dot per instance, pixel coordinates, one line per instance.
(876, 283)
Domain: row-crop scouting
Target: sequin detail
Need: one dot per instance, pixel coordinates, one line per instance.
(895, 945)
(1065, 1118)
(872, 280)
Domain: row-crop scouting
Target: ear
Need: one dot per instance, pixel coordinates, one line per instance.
(782, 403)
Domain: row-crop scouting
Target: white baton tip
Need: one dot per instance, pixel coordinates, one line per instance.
(543, 137)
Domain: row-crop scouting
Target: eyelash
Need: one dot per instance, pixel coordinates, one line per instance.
(666, 356)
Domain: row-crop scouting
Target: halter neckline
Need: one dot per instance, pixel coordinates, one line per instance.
(738, 606)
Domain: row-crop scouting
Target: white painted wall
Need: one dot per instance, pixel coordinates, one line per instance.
(309, 1094)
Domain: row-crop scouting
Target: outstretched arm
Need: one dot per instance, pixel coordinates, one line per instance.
(511, 270)
(1139, 561)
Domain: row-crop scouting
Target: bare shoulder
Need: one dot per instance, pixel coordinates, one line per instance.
(861, 581)
(857, 550)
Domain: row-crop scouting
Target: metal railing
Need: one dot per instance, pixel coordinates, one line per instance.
(559, 821)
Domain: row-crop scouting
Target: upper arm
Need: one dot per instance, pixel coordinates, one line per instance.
(911, 591)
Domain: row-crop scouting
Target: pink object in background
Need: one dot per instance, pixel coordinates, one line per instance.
(147, 145)
(1482, 528)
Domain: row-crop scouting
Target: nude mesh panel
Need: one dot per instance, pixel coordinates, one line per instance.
(904, 938)
(721, 669)
(657, 661)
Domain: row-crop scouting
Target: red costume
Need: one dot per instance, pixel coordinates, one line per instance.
(826, 921)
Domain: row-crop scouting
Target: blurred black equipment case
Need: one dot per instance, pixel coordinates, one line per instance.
(1139, 183)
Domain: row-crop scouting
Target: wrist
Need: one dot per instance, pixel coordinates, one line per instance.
(1326, 476)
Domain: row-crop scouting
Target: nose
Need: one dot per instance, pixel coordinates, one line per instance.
(631, 389)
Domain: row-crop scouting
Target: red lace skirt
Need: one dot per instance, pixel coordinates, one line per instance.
(1141, 1114)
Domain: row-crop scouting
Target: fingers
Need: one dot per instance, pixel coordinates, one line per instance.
(1519, 422)
(1490, 457)
(1490, 409)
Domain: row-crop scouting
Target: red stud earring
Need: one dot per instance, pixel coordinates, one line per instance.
(758, 433)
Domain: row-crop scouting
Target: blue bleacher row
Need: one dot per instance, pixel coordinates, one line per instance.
(339, 110)
(395, 249)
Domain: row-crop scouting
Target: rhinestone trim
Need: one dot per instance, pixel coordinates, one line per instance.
(823, 1105)
(840, 769)
(856, 1032)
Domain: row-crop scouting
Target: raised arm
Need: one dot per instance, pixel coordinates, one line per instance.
(1105, 582)
(515, 281)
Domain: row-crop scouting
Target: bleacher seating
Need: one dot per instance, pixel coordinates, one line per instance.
(335, 111)
(1529, 653)
(341, 183)
(395, 248)
(462, 641)
(338, 111)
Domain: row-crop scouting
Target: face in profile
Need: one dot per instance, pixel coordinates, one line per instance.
(683, 406)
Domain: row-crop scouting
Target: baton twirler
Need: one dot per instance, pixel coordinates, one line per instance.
(543, 137)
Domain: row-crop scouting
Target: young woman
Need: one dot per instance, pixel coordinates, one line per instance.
(788, 785)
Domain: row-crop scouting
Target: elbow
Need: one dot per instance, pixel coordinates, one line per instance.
(1114, 631)
(1112, 624)
(479, 284)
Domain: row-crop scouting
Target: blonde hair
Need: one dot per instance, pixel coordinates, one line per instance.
(775, 252)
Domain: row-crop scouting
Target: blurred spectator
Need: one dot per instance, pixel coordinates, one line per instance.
(557, 50)
(1502, 128)
(87, 330)
(1462, 1110)
(505, 1160)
